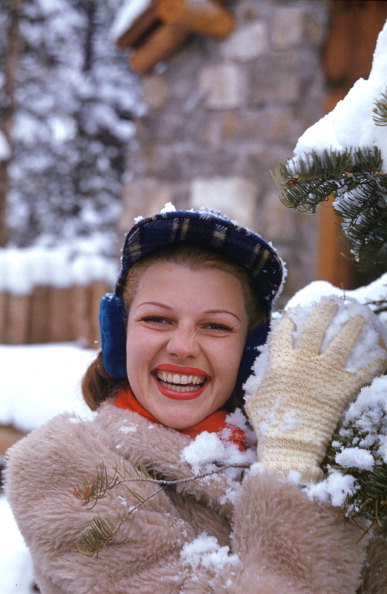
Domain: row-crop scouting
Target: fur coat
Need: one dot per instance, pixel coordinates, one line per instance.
(269, 538)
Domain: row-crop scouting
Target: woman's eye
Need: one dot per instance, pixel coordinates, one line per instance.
(219, 327)
(157, 320)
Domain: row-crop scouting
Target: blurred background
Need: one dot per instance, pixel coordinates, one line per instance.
(110, 109)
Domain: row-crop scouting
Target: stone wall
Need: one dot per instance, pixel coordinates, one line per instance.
(223, 114)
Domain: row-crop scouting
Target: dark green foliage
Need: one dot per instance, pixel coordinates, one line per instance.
(355, 179)
(380, 111)
(369, 501)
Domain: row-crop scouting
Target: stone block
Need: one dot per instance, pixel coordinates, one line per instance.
(223, 85)
(155, 90)
(275, 79)
(287, 27)
(248, 42)
(143, 198)
(235, 196)
(248, 10)
(315, 28)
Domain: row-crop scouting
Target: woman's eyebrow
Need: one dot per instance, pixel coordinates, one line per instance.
(168, 307)
(221, 311)
(155, 303)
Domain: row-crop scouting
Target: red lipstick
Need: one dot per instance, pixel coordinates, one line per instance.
(183, 370)
(179, 394)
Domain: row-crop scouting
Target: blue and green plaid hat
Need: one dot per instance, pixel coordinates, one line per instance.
(203, 228)
(211, 230)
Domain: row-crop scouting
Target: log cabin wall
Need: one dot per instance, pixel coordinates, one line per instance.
(223, 113)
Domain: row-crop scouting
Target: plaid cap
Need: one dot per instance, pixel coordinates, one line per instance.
(208, 229)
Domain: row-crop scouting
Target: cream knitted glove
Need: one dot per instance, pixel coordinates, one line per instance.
(305, 388)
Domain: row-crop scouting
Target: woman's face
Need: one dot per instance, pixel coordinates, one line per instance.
(185, 338)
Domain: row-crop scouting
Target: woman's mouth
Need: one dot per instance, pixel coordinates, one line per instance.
(181, 385)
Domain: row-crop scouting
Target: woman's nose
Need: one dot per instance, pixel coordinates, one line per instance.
(183, 343)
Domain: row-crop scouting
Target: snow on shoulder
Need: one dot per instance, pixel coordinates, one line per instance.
(208, 450)
(205, 551)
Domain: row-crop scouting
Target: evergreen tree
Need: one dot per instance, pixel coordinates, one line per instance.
(76, 99)
(356, 178)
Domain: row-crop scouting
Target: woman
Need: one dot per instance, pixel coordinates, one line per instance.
(121, 503)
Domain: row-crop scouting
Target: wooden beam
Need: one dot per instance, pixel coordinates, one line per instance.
(141, 27)
(38, 331)
(204, 17)
(8, 436)
(163, 42)
(18, 316)
(333, 259)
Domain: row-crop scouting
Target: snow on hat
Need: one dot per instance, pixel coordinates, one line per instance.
(203, 228)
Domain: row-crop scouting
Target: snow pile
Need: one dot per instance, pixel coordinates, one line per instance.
(41, 381)
(351, 122)
(37, 383)
(16, 570)
(362, 447)
(370, 294)
(208, 450)
(21, 270)
(205, 551)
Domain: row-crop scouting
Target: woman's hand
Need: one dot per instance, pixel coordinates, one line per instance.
(304, 390)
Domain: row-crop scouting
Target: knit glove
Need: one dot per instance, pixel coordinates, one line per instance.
(306, 387)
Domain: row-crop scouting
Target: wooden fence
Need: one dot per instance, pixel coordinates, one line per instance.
(51, 314)
(39, 308)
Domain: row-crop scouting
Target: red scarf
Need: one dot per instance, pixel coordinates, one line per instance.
(215, 423)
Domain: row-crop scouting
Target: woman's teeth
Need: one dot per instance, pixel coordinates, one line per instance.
(180, 383)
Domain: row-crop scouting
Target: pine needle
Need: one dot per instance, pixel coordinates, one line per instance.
(369, 501)
(380, 111)
(92, 491)
(102, 530)
(355, 179)
(97, 537)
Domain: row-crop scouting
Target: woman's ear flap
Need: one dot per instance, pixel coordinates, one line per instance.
(113, 335)
(255, 339)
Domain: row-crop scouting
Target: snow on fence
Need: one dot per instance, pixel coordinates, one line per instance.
(52, 295)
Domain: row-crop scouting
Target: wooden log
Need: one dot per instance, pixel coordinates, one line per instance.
(163, 42)
(78, 314)
(38, 324)
(205, 17)
(142, 26)
(333, 264)
(3, 316)
(8, 436)
(96, 290)
(17, 319)
(58, 312)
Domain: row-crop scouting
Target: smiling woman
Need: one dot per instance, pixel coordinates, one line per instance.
(189, 314)
(189, 342)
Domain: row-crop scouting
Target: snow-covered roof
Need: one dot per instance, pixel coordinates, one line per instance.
(127, 15)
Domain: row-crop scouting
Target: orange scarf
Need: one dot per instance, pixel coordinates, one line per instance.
(215, 423)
